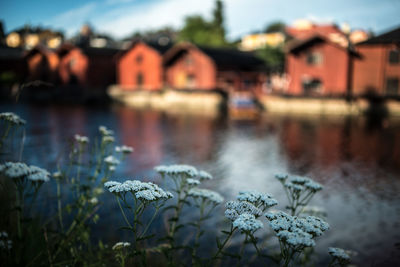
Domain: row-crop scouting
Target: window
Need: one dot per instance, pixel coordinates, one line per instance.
(190, 81)
(312, 86)
(394, 56)
(139, 59)
(314, 58)
(392, 86)
(139, 79)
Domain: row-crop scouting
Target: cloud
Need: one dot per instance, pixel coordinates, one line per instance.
(123, 21)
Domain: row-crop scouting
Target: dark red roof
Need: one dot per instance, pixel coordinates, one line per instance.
(391, 37)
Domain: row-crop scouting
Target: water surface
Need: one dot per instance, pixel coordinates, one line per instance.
(357, 161)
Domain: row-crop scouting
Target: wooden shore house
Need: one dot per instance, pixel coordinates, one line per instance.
(87, 67)
(42, 65)
(140, 67)
(377, 71)
(190, 67)
(317, 66)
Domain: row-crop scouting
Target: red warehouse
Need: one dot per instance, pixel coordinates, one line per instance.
(141, 66)
(377, 71)
(200, 68)
(89, 67)
(319, 67)
(42, 64)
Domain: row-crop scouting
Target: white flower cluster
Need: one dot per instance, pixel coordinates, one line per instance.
(111, 160)
(104, 131)
(203, 175)
(183, 170)
(141, 190)
(208, 195)
(5, 243)
(57, 175)
(298, 183)
(12, 118)
(108, 139)
(251, 202)
(81, 139)
(124, 149)
(121, 245)
(258, 199)
(339, 254)
(172, 170)
(192, 182)
(294, 231)
(247, 223)
(235, 208)
(21, 170)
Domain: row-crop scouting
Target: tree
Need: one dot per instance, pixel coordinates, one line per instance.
(274, 57)
(277, 26)
(218, 18)
(202, 32)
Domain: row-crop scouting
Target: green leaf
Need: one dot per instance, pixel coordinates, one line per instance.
(146, 237)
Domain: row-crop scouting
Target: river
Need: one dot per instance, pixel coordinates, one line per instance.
(357, 160)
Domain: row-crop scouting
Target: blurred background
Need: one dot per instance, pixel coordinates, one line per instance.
(241, 89)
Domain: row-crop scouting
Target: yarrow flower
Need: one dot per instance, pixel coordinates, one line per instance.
(5, 243)
(57, 175)
(247, 223)
(260, 200)
(203, 175)
(108, 139)
(172, 170)
(81, 139)
(124, 149)
(235, 208)
(111, 160)
(104, 131)
(121, 245)
(192, 182)
(294, 231)
(12, 118)
(141, 190)
(21, 170)
(205, 194)
(339, 254)
(298, 183)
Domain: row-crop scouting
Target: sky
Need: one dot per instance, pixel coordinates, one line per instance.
(120, 18)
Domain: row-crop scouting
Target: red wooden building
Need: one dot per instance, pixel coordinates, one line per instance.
(89, 67)
(319, 67)
(377, 71)
(141, 66)
(42, 65)
(199, 68)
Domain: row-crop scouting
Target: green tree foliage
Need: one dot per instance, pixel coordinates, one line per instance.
(277, 26)
(198, 30)
(274, 57)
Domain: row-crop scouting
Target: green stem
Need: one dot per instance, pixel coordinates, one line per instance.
(150, 222)
(198, 231)
(123, 213)
(5, 134)
(224, 243)
(59, 205)
(242, 251)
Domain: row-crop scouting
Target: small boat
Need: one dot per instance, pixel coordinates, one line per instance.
(243, 106)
